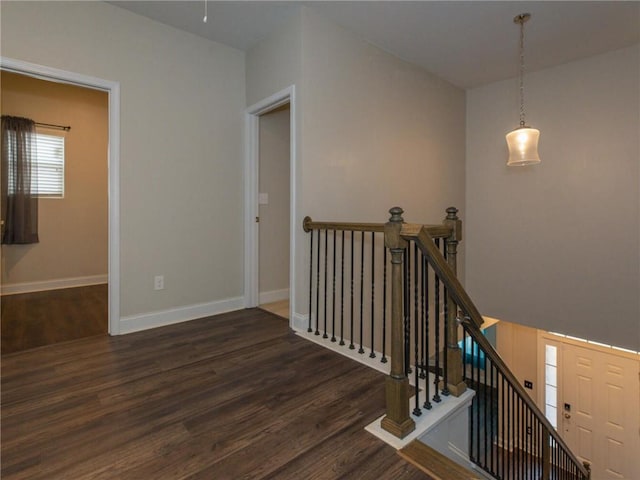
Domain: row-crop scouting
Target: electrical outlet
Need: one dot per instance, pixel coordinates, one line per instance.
(528, 384)
(158, 282)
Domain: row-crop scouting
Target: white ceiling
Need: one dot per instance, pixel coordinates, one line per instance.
(468, 43)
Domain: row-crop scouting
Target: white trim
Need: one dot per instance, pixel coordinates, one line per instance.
(448, 406)
(57, 284)
(144, 321)
(113, 89)
(252, 114)
(274, 296)
(299, 322)
(345, 351)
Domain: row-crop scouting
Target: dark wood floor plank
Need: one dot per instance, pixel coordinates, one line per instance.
(43, 318)
(227, 397)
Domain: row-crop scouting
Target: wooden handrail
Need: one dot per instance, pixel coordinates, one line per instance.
(435, 231)
(472, 321)
(425, 242)
(308, 225)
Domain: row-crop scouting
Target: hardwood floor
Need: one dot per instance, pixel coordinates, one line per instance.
(236, 396)
(31, 320)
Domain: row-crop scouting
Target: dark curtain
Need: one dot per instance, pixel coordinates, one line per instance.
(19, 203)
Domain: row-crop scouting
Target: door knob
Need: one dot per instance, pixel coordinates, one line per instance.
(567, 415)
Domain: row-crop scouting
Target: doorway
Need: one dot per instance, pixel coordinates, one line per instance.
(274, 210)
(112, 89)
(256, 206)
(57, 289)
(591, 396)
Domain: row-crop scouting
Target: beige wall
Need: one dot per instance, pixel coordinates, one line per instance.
(73, 230)
(274, 216)
(181, 132)
(373, 131)
(556, 246)
(518, 347)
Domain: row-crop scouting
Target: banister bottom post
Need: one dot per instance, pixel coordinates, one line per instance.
(397, 421)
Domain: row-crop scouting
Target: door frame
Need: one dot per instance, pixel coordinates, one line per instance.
(251, 186)
(113, 90)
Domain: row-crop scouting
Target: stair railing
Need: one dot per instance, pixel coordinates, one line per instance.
(510, 437)
(391, 290)
(349, 289)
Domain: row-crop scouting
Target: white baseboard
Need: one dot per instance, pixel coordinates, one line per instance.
(136, 323)
(299, 322)
(274, 296)
(57, 284)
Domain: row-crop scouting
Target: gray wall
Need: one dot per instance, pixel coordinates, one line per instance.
(555, 246)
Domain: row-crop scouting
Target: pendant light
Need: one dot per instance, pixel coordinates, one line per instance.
(523, 141)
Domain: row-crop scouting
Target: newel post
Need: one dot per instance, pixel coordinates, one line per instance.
(397, 420)
(455, 383)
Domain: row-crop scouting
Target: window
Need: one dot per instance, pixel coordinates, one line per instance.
(49, 180)
(551, 384)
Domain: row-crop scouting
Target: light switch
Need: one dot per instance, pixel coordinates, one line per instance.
(263, 199)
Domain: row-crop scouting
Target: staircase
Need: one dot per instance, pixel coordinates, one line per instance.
(388, 296)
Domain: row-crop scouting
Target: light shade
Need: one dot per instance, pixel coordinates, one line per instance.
(523, 146)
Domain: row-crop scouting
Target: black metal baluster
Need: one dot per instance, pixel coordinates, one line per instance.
(351, 345)
(554, 460)
(318, 286)
(540, 446)
(517, 433)
(493, 418)
(405, 309)
(509, 443)
(333, 299)
(342, 291)
(464, 355)
(384, 304)
(474, 407)
(514, 441)
(361, 349)
(445, 374)
(326, 276)
(425, 289)
(486, 407)
(475, 355)
(523, 432)
(416, 353)
(408, 310)
(489, 407)
(502, 419)
(436, 395)
(373, 292)
(309, 329)
(422, 362)
(333, 309)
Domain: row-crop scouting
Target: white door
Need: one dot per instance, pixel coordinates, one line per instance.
(599, 410)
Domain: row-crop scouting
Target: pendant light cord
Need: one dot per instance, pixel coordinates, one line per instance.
(522, 122)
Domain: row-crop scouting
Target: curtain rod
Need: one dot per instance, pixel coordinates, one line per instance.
(50, 125)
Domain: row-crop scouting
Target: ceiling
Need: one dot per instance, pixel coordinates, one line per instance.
(468, 43)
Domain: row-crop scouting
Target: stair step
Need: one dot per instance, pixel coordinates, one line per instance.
(435, 464)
